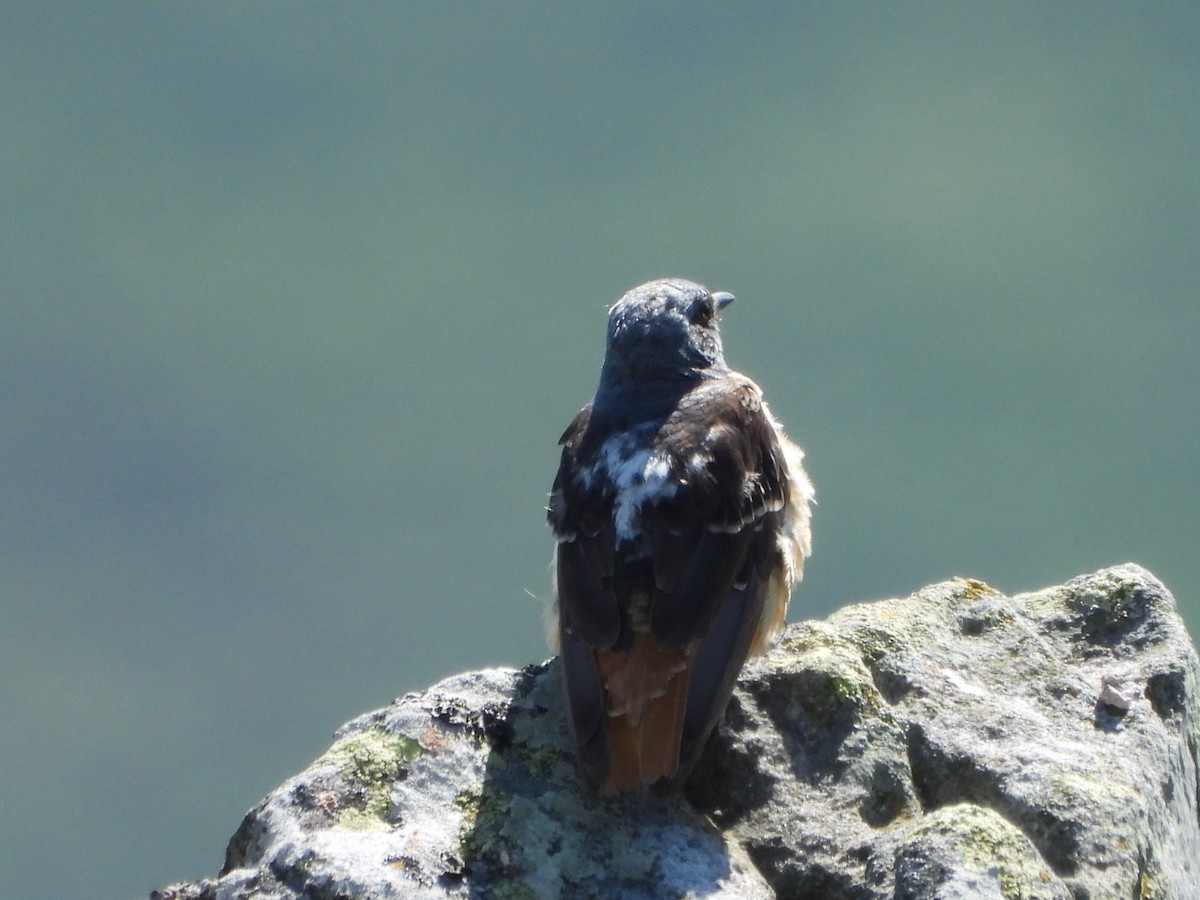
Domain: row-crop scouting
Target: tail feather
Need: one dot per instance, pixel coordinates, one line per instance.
(647, 696)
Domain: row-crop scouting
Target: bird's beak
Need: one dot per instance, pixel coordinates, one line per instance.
(722, 299)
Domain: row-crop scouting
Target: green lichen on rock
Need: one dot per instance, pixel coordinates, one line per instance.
(828, 679)
(558, 844)
(371, 755)
(1150, 882)
(965, 837)
(1078, 788)
(1109, 608)
(372, 818)
(369, 762)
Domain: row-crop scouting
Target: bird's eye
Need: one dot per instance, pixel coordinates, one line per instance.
(703, 311)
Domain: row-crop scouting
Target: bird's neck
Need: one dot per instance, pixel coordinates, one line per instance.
(657, 376)
(622, 402)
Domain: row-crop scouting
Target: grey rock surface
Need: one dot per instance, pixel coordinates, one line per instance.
(956, 743)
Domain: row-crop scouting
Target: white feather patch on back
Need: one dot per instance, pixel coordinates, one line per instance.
(636, 475)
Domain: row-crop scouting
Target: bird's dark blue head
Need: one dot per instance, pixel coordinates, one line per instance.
(664, 331)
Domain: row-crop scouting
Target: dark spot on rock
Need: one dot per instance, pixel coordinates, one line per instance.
(1108, 616)
(495, 724)
(528, 677)
(893, 685)
(205, 890)
(917, 874)
(798, 878)
(1167, 693)
(984, 617)
(453, 873)
(1107, 717)
(491, 723)
(885, 798)
(237, 851)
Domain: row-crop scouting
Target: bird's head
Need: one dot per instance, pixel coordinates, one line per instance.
(664, 331)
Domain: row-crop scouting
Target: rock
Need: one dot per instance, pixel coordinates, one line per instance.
(953, 744)
(468, 789)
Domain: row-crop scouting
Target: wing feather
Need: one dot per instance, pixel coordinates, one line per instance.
(703, 572)
(700, 535)
(580, 514)
(586, 715)
(720, 653)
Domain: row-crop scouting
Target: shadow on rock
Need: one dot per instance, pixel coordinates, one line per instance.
(533, 825)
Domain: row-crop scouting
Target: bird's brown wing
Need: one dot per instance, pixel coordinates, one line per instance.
(580, 515)
(713, 572)
(652, 636)
(588, 616)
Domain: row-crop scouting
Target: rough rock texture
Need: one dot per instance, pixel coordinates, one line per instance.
(957, 743)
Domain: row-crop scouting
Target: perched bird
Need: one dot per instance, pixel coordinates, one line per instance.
(681, 513)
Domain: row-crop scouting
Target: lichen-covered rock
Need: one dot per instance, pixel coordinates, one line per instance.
(963, 743)
(468, 789)
(954, 744)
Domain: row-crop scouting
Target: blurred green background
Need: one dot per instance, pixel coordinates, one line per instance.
(297, 298)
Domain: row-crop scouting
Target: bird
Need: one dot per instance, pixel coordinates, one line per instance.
(681, 516)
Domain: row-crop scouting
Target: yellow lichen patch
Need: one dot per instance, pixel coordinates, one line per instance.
(987, 843)
(353, 819)
(371, 754)
(369, 762)
(973, 588)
